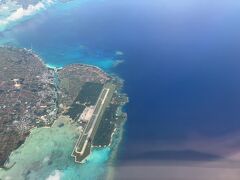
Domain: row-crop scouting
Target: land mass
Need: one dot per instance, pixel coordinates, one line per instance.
(33, 95)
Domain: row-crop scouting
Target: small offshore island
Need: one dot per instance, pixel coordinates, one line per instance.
(33, 95)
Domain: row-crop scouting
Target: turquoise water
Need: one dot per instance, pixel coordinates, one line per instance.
(55, 46)
(181, 69)
(41, 157)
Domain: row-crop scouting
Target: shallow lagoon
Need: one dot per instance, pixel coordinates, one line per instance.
(46, 154)
(187, 51)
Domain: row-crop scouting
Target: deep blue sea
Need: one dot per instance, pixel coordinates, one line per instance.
(181, 68)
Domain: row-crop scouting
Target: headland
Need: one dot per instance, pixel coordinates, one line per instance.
(33, 95)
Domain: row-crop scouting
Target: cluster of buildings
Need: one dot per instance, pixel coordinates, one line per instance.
(27, 97)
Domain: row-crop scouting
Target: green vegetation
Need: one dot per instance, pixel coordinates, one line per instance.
(108, 99)
(101, 105)
(75, 110)
(89, 93)
(111, 119)
(87, 96)
(106, 127)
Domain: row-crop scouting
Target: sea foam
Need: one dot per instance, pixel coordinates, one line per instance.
(18, 13)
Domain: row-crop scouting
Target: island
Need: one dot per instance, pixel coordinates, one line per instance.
(33, 95)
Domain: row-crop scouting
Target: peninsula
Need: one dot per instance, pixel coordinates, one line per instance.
(33, 95)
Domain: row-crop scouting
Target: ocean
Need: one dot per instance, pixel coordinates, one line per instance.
(180, 63)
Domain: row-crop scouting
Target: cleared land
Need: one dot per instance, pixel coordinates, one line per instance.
(88, 96)
(83, 145)
(32, 95)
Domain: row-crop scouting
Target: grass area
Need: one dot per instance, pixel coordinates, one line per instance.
(102, 104)
(87, 96)
(111, 88)
(75, 110)
(89, 93)
(106, 127)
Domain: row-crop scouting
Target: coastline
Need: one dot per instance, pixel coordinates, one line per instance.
(115, 139)
(112, 143)
(31, 131)
(112, 75)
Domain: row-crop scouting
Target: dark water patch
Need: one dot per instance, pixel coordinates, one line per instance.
(181, 67)
(171, 155)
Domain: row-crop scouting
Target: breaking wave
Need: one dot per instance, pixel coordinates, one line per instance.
(19, 13)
